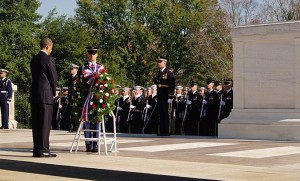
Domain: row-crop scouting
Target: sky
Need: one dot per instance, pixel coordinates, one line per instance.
(66, 7)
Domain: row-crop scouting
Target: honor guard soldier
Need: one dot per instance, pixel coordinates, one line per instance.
(65, 122)
(229, 98)
(72, 92)
(5, 98)
(136, 109)
(56, 117)
(165, 82)
(123, 104)
(90, 66)
(222, 97)
(178, 107)
(194, 104)
(210, 120)
(151, 120)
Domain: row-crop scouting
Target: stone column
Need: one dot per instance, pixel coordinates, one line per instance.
(266, 76)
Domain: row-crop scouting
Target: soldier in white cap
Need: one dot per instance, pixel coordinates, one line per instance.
(6, 95)
(72, 92)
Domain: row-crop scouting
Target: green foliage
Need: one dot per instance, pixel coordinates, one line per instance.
(17, 39)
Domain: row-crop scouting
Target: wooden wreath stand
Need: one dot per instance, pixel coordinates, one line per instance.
(102, 136)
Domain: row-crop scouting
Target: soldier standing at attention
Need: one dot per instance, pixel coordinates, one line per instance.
(6, 94)
(165, 82)
(71, 89)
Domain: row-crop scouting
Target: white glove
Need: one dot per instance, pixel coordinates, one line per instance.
(222, 103)
(170, 101)
(204, 102)
(188, 102)
(119, 109)
(132, 107)
(148, 106)
(60, 106)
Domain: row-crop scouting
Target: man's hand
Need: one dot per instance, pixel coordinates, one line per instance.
(170, 101)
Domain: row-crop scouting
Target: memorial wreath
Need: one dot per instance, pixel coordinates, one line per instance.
(94, 95)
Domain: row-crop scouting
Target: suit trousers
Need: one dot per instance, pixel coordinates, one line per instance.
(41, 115)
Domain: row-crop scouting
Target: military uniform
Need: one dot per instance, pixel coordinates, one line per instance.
(136, 122)
(178, 106)
(210, 118)
(229, 99)
(193, 118)
(123, 104)
(6, 95)
(151, 123)
(89, 67)
(74, 117)
(165, 82)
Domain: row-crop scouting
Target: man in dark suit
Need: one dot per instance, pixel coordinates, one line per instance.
(43, 87)
(5, 97)
(165, 82)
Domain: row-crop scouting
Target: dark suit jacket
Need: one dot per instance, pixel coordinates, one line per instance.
(44, 78)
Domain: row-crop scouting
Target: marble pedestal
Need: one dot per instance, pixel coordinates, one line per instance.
(266, 76)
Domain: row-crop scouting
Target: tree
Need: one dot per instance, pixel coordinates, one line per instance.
(18, 42)
(69, 38)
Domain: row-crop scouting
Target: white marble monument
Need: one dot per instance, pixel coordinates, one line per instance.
(266, 79)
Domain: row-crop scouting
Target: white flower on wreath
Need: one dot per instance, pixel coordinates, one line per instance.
(79, 96)
(100, 90)
(101, 100)
(101, 75)
(96, 85)
(108, 104)
(105, 85)
(91, 112)
(106, 94)
(107, 78)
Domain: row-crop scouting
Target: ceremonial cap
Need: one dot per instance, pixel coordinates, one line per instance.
(210, 81)
(3, 70)
(126, 89)
(65, 89)
(179, 87)
(137, 87)
(227, 81)
(218, 83)
(202, 88)
(193, 84)
(91, 50)
(154, 86)
(162, 60)
(73, 66)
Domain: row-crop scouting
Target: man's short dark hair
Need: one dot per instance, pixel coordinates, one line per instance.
(45, 42)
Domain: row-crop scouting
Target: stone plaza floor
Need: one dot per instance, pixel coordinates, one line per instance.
(148, 157)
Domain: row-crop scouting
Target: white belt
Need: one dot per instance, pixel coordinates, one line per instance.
(3, 92)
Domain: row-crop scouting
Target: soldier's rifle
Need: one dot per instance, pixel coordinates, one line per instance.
(184, 115)
(150, 116)
(128, 117)
(145, 116)
(201, 113)
(170, 116)
(220, 106)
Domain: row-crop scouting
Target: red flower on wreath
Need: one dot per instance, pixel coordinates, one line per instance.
(111, 91)
(103, 82)
(104, 97)
(102, 71)
(94, 105)
(95, 76)
(97, 97)
(102, 87)
(111, 81)
(104, 105)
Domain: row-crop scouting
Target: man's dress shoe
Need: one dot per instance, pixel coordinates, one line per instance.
(45, 155)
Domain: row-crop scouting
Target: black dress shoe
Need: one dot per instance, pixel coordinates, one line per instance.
(94, 150)
(163, 134)
(45, 155)
(88, 150)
